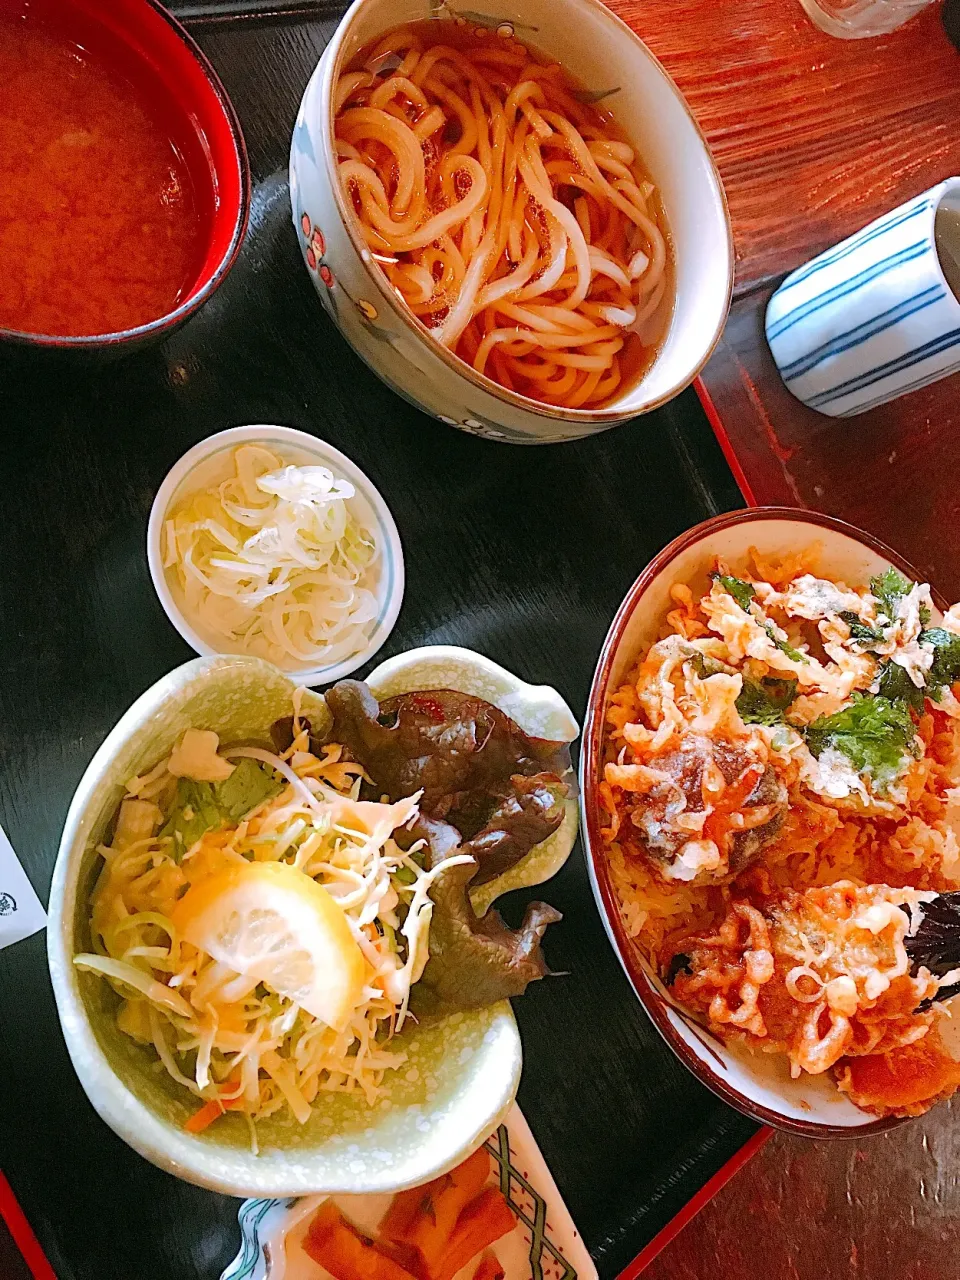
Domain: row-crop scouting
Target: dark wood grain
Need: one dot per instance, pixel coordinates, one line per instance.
(523, 554)
(892, 471)
(814, 136)
(885, 1209)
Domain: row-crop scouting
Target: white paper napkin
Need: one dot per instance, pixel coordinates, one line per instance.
(21, 913)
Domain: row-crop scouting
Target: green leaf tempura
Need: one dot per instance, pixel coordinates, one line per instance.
(896, 686)
(889, 588)
(859, 631)
(744, 594)
(741, 591)
(705, 667)
(874, 733)
(784, 646)
(946, 658)
(765, 701)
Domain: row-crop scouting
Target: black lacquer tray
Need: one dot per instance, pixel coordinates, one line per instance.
(523, 554)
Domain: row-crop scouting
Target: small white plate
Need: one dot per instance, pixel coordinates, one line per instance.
(544, 1244)
(201, 466)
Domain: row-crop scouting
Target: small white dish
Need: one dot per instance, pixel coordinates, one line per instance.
(545, 1242)
(205, 463)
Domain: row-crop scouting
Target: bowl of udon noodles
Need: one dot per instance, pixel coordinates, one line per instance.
(511, 214)
(768, 803)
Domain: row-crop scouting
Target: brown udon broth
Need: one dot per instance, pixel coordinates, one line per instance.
(508, 211)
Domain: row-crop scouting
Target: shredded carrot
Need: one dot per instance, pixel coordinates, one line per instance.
(215, 1108)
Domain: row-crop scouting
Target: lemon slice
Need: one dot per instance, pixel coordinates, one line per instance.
(272, 922)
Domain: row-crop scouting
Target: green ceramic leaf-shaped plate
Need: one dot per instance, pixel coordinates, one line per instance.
(461, 1074)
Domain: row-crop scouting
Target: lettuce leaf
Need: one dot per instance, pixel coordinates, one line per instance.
(199, 807)
(527, 812)
(474, 960)
(247, 787)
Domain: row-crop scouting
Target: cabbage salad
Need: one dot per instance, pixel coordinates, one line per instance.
(262, 924)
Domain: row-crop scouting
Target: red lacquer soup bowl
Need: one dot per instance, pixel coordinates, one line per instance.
(755, 1083)
(124, 182)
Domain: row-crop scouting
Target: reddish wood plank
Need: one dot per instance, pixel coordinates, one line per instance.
(704, 1196)
(814, 136)
(893, 470)
(880, 1209)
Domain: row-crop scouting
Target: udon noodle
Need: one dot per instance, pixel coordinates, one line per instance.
(508, 214)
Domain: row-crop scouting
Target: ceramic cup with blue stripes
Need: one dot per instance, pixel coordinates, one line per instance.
(875, 316)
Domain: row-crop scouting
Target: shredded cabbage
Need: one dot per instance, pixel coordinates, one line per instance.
(129, 975)
(219, 1033)
(276, 561)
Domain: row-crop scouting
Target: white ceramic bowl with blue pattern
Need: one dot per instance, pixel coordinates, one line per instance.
(874, 317)
(601, 53)
(206, 464)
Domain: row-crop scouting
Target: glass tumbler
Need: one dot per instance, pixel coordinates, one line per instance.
(855, 19)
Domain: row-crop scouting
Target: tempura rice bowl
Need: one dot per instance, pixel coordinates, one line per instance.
(758, 1084)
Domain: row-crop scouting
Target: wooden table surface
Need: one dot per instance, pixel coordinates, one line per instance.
(884, 1209)
(815, 137)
